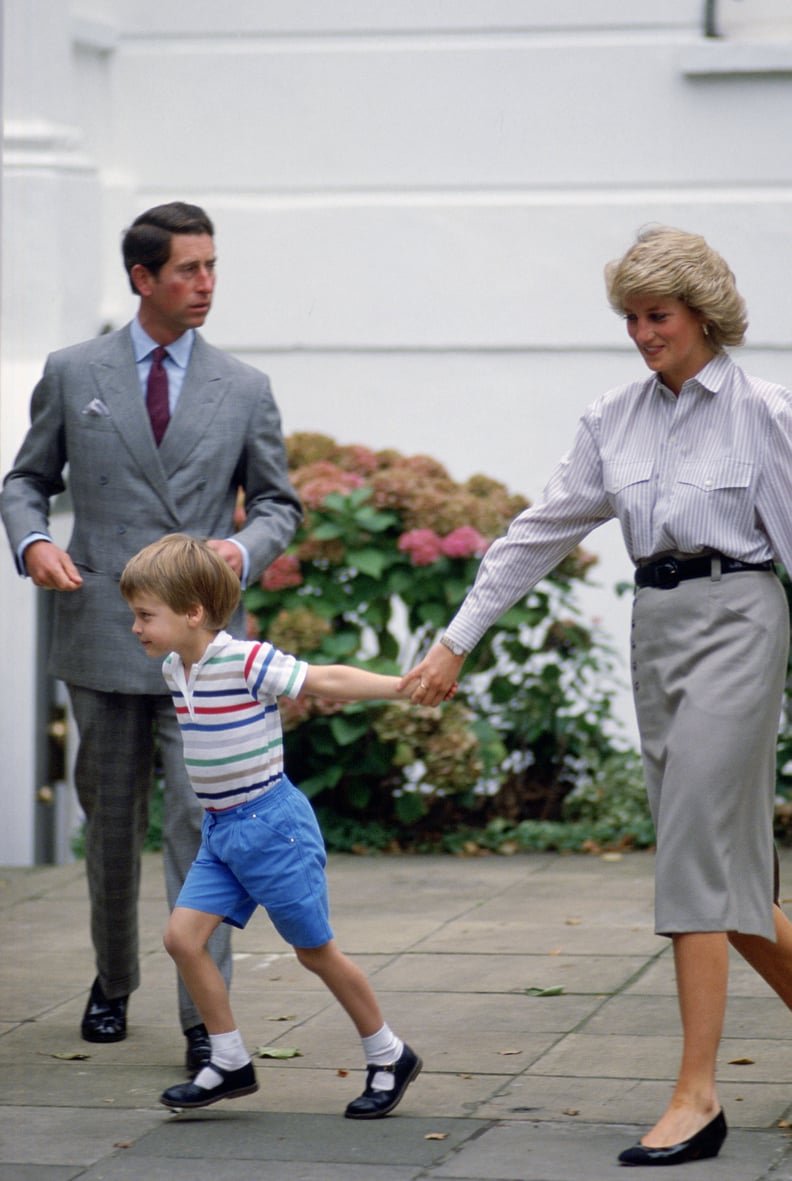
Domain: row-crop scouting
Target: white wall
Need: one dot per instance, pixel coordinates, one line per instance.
(414, 200)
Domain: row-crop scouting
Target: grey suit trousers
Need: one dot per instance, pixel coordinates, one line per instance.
(121, 736)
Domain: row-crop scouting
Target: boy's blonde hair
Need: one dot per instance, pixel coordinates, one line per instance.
(181, 572)
(664, 261)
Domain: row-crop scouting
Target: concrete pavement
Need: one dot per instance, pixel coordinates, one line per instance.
(515, 1087)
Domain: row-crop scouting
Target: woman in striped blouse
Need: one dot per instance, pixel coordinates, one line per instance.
(696, 463)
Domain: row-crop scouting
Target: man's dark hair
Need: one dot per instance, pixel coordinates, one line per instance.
(148, 239)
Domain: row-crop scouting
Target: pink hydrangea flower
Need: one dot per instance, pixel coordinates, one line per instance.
(464, 542)
(423, 546)
(283, 573)
(319, 479)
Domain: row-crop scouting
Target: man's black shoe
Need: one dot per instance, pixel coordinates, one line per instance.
(234, 1083)
(374, 1104)
(104, 1020)
(199, 1049)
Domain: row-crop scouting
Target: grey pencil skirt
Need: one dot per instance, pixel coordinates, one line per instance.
(709, 664)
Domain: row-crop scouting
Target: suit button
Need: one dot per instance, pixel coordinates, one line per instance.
(121, 529)
(201, 485)
(104, 480)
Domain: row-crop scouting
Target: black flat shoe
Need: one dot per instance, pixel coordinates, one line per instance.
(234, 1084)
(104, 1020)
(199, 1049)
(373, 1104)
(704, 1144)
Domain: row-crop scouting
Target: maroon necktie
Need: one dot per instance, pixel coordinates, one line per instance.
(157, 394)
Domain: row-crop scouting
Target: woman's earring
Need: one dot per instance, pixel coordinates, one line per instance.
(706, 329)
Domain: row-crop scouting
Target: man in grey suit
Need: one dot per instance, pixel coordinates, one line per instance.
(155, 442)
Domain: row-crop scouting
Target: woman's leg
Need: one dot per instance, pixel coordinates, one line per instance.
(701, 960)
(773, 961)
(185, 939)
(347, 982)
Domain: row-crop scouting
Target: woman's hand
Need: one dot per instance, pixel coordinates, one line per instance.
(434, 679)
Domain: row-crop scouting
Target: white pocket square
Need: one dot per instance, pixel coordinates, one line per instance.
(96, 406)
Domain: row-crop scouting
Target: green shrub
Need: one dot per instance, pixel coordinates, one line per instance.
(388, 548)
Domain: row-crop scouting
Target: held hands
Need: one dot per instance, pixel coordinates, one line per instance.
(50, 567)
(434, 679)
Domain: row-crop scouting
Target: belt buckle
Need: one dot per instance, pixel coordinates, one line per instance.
(666, 574)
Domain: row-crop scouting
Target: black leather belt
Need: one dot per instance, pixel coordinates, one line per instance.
(666, 573)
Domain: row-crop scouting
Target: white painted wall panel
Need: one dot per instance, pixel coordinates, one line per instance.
(181, 18)
(517, 273)
(470, 113)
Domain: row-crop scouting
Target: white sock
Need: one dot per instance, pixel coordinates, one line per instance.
(382, 1048)
(228, 1052)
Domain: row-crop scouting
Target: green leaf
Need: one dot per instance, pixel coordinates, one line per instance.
(410, 807)
(369, 561)
(328, 531)
(434, 613)
(358, 794)
(553, 990)
(316, 783)
(346, 729)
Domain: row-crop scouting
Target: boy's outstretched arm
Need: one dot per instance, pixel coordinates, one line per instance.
(343, 682)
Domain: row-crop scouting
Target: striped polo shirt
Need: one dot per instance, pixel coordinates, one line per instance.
(229, 717)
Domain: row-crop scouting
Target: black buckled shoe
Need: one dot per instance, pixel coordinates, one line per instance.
(234, 1084)
(199, 1049)
(104, 1020)
(705, 1144)
(374, 1104)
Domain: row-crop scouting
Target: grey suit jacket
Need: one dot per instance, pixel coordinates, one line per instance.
(89, 427)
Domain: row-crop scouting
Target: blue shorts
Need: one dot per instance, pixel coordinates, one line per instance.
(268, 852)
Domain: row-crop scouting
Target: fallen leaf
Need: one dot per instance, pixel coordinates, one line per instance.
(553, 990)
(288, 1017)
(342, 1073)
(741, 1062)
(507, 1052)
(573, 922)
(66, 1055)
(611, 857)
(555, 951)
(570, 1111)
(436, 1136)
(464, 1076)
(784, 1123)
(123, 1143)
(277, 1052)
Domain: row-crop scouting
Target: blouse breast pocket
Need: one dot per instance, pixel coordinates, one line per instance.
(720, 474)
(620, 474)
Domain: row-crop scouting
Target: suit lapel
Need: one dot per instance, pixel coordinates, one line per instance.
(201, 395)
(117, 378)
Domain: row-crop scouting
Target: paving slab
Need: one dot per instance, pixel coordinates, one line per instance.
(515, 1086)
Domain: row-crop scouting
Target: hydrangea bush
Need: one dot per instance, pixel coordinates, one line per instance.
(387, 550)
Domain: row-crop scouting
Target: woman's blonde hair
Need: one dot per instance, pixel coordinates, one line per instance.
(664, 261)
(181, 572)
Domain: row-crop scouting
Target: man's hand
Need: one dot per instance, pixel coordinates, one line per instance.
(229, 553)
(434, 679)
(51, 567)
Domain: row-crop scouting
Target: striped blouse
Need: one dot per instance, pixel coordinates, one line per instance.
(229, 718)
(710, 470)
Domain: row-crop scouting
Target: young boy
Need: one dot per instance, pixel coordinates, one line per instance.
(261, 844)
